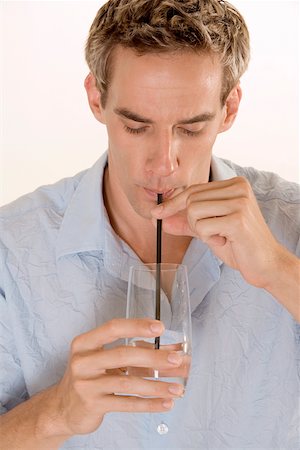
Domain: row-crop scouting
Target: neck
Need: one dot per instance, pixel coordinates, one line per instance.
(139, 232)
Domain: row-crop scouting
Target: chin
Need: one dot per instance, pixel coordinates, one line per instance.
(139, 203)
(144, 213)
(143, 209)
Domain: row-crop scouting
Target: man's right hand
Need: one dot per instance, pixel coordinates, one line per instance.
(92, 384)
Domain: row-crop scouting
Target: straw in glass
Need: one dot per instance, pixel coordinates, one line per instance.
(158, 269)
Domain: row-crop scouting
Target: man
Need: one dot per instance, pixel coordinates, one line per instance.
(164, 79)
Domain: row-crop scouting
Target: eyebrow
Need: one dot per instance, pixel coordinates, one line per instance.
(131, 115)
(124, 112)
(205, 117)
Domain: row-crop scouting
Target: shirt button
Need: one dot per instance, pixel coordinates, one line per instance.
(162, 428)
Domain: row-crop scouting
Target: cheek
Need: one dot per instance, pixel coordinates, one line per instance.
(193, 150)
(195, 159)
(124, 153)
(208, 139)
(118, 147)
(114, 136)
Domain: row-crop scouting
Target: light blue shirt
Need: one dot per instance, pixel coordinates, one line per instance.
(64, 271)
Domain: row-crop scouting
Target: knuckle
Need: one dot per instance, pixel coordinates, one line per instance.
(188, 202)
(83, 391)
(79, 386)
(242, 203)
(244, 185)
(192, 212)
(75, 345)
(192, 208)
(75, 365)
(192, 198)
(113, 327)
(198, 228)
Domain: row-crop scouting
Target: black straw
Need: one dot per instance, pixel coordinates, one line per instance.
(158, 269)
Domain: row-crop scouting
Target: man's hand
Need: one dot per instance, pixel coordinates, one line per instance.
(226, 216)
(93, 385)
(93, 381)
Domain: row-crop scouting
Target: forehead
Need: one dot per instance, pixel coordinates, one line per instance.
(164, 81)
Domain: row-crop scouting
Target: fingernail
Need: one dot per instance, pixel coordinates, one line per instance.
(176, 389)
(168, 404)
(175, 358)
(156, 328)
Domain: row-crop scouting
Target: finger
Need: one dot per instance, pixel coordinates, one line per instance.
(224, 227)
(176, 225)
(146, 372)
(118, 403)
(216, 241)
(173, 205)
(184, 224)
(216, 190)
(116, 329)
(91, 364)
(131, 385)
(181, 371)
(198, 209)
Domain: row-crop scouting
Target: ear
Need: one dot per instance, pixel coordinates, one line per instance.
(94, 97)
(231, 108)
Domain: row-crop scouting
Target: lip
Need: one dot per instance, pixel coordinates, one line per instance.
(153, 193)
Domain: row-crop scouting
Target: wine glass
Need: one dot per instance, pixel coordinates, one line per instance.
(160, 291)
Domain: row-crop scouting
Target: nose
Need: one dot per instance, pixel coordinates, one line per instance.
(162, 160)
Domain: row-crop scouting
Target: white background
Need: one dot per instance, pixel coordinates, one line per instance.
(48, 131)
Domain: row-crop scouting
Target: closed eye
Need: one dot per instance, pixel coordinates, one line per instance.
(135, 130)
(190, 133)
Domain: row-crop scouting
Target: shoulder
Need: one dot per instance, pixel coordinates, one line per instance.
(36, 211)
(55, 196)
(267, 185)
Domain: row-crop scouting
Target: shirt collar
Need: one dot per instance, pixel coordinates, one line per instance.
(221, 169)
(85, 215)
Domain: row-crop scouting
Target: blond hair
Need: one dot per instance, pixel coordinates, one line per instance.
(166, 26)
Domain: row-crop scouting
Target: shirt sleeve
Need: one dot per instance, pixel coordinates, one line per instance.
(12, 384)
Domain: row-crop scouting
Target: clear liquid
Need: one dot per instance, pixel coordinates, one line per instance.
(173, 375)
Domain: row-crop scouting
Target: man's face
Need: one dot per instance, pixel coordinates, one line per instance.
(163, 114)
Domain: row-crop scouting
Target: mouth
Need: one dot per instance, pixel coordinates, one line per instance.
(153, 193)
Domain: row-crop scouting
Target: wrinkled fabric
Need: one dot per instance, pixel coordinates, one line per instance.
(64, 271)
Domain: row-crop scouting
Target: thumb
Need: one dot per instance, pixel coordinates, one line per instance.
(216, 241)
(177, 225)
